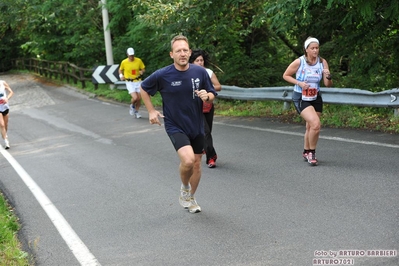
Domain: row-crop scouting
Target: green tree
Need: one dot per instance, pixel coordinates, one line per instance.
(250, 42)
(62, 30)
(246, 54)
(128, 30)
(10, 40)
(365, 32)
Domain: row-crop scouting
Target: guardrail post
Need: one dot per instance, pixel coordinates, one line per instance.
(287, 106)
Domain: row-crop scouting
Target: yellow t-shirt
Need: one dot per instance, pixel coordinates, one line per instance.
(131, 70)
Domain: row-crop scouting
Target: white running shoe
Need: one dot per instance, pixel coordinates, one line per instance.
(184, 198)
(6, 144)
(138, 115)
(194, 207)
(132, 109)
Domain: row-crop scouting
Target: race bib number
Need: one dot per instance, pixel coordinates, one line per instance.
(309, 94)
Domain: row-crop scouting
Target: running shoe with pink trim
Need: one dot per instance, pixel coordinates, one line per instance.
(312, 159)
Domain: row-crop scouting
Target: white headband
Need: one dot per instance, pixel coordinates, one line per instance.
(308, 41)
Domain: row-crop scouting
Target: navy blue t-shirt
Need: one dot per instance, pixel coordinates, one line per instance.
(182, 107)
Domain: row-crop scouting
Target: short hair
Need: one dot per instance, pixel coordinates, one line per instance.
(199, 52)
(177, 38)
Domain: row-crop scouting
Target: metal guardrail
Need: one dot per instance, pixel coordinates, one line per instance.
(330, 95)
(347, 96)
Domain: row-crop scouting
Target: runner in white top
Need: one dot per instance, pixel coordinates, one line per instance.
(309, 69)
(5, 94)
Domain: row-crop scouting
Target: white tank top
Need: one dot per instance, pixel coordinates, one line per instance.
(312, 74)
(3, 94)
(209, 71)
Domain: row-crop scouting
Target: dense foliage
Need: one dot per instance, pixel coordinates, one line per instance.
(250, 42)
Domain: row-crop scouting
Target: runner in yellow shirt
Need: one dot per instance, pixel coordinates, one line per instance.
(131, 69)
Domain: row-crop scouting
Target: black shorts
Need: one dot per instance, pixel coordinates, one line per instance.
(300, 105)
(179, 140)
(5, 112)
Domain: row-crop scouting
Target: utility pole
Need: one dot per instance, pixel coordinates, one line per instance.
(107, 36)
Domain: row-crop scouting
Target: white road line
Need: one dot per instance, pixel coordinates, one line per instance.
(321, 137)
(78, 248)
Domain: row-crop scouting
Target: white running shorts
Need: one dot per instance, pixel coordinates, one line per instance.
(133, 86)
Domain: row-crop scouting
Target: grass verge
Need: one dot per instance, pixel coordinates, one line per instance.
(10, 248)
(334, 116)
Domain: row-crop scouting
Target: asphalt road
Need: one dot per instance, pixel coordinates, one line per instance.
(94, 186)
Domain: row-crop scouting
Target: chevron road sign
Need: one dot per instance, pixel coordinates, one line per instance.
(105, 74)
